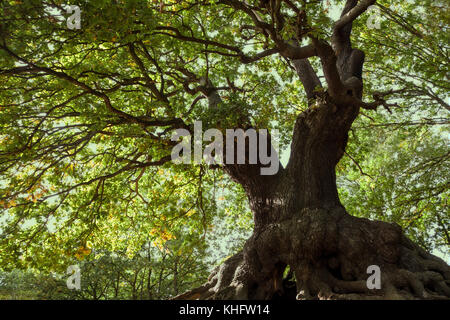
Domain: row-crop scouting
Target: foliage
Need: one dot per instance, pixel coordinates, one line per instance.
(86, 118)
(151, 274)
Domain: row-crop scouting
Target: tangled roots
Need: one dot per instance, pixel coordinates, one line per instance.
(327, 253)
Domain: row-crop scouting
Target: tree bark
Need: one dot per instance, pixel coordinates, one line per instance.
(300, 223)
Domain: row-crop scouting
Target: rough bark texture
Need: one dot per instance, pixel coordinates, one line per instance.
(300, 223)
(299, 220)
(329, 252)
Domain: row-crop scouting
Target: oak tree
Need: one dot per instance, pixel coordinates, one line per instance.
(87, 117)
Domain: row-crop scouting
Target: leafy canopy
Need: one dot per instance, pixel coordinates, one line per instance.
(86, 118)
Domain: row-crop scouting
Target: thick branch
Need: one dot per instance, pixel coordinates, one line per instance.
(144, 121)
(342, 28)
(328, 59)
(307, 76)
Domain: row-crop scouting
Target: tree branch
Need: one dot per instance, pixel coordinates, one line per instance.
(343, 27)
(307, 76)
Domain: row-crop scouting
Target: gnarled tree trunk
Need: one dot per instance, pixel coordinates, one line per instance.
(299, 220)
(300, 223)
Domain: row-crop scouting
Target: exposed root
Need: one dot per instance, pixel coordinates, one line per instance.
(328, 252)
(226, 281)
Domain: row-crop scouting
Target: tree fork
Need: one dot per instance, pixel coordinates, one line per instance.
(299, 220)
(300, 223)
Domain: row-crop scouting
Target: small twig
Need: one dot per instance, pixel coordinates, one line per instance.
(359, 167)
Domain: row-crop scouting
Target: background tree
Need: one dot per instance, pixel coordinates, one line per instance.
(87, 116)
(150, 274)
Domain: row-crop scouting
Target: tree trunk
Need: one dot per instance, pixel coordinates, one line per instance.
(301, 224)
(299, 220)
